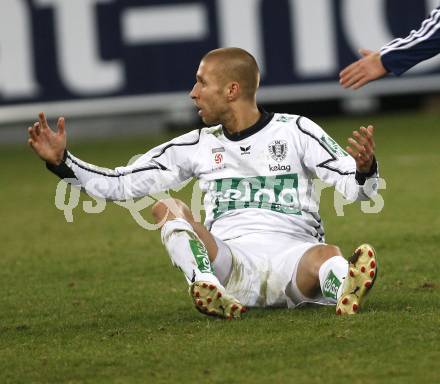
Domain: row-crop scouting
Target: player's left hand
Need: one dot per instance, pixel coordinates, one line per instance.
(361, 147)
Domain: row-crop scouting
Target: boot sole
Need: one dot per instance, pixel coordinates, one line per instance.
(361, 276)
(209, 300)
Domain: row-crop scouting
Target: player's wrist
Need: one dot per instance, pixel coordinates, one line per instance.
(62, 170)
(60, 158)
(362, 175)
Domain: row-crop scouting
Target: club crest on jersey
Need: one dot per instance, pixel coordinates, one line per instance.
(278, 150)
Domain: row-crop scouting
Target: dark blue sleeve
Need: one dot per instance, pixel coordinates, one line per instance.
(400, 55)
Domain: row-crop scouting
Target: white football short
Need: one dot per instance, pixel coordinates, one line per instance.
(260, 270)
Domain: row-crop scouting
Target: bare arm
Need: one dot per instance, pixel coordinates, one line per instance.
(47, 144)
(361, 72)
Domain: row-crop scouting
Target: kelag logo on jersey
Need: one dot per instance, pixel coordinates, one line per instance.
(276, 193)
(279, 167)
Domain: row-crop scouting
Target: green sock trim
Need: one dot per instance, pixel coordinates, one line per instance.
(331, 286)
(201, 255)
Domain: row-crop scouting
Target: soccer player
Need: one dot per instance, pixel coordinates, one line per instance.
(397, 56)
(262, 243)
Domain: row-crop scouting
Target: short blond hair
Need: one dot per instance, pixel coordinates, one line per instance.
(236, 64)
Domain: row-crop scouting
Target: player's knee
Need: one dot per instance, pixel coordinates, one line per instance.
(318, 255)
(330, 251)
(169, 209)
(326, 252)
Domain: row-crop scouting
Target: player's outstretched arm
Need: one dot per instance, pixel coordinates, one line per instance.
(361, 72)
(47, 144)
(361, 147)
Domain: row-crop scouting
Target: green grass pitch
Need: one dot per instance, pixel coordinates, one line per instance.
(97, 301)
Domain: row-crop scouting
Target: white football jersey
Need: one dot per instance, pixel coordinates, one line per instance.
(260, 180)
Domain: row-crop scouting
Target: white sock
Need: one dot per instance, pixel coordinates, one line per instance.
(331, 276)
(187, 252)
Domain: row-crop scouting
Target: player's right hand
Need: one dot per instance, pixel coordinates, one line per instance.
(47, 144)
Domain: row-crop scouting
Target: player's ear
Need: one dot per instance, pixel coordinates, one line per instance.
(233, 91)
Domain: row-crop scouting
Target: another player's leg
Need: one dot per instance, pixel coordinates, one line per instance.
(193, 250)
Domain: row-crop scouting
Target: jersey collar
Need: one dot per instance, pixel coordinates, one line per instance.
(259, 125)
